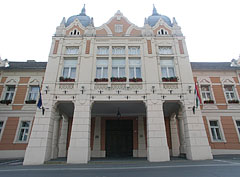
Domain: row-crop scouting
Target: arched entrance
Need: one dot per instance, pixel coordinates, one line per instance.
(118, 129)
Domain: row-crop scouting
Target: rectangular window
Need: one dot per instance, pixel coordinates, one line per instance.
(135, 68)
(9, 92)
(229, 92)
(238, 126)
(167, 68)
(134, 50)
(102, 50)
(1, 127)
(69, 70)
(165, 50)
(118, 67)
(102, 68)
(72, 50)
(118, 28)
(215, 130)
(23, 131)
(206, 92)
(118, 50)
(33, 93)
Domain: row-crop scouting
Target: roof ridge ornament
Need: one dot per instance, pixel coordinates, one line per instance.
(83, 12)
(154, 10)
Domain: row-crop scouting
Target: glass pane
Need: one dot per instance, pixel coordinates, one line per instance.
(105, 72)
(232, 95)
(118, 62)
(171, 72)
(122, 72)
(115, 72)
(25, 124)
(213, 134)
(164, 72)
(213, 123)
(69, 63)
(1, 124)
(138, 72)
(166, 62)
(11, 88)
(102, 62)
(208, 96)
(218, 134)
(134, 62)
(131, 72)
(238, 123)
(34, 89)
(21, 135)
(65, 72)
(73, 73)
(98, 72)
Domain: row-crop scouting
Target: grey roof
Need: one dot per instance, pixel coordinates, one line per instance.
(212, 66)
(25, 65)
(153, 19)
(82, 17)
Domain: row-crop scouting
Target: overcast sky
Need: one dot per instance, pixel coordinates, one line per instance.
(211, 27)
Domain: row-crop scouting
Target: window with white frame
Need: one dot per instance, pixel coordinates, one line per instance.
(118, 50)
(118, 28)
(229, 92)
(118, 67)
(134, 50)
(102, 68)
(1, 127)
(162, 32)
(71, 50)
(134, 68)
(167, 68)
(165, 50)
(23, 131)
(9, 92)
(69, 69)
(33, 93)
(102, 50)
(215, 130)
(238, 126)
(206, 92)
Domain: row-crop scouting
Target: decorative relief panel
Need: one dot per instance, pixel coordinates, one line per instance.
(66, 86)
(170, 86)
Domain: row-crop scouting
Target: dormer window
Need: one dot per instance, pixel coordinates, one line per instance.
(162, 32)
(75, 32)
(118, 28)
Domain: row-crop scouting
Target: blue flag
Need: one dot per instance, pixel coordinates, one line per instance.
(39, 104)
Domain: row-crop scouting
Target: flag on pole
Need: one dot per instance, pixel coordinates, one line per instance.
(39, 104)
(197, 96)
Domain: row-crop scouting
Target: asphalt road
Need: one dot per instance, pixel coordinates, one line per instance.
(181, 168)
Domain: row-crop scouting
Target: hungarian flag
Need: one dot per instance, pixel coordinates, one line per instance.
(197, 96)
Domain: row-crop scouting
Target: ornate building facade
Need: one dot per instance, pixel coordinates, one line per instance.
(118, 90)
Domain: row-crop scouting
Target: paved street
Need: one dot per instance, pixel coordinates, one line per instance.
(219, 167)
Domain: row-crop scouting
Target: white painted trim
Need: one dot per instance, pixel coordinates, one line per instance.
(235, 124)
(12, 154)
(18, 129)
(224, 151)
(220, 127)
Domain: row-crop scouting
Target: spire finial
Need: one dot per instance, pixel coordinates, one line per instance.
(154, 10)
(83, 12)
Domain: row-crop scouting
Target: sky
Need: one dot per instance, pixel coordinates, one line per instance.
(211, 27)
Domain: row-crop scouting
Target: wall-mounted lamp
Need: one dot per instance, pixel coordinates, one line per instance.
(190, 89)
(153, 89)
(46, 89)
(82, 89)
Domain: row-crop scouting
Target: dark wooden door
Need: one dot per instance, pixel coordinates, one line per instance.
(119, 138)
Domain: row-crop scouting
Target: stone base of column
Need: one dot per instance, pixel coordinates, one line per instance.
(78, 155)
(158, 154)
(199, 153)
(36, 156)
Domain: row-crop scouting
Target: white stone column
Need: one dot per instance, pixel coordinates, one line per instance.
(55, 137)
(174, 136)
(97, 139)
(79, 148)
(40, 143)
(182, 134)
(142, 151)
(62, 152)
(197, 146)
(157, 147)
